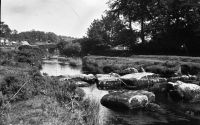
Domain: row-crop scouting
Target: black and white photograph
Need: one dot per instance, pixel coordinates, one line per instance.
(99, 62)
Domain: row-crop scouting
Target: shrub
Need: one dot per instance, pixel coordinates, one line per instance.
(91, 46)
(75, 62)
(23, 47)
(9, 86)
(30, 82)
(31, 56)
(71, 49)
(65, 92)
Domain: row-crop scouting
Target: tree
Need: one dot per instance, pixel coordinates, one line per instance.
(175, 23)
(72, 49)
(169, 23)
(133, 10)
(5, 30)
(92, 46)
(39, 36)
(108, 31)
(14, 35)
(96, 31)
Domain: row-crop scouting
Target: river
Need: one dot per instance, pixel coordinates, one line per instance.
(53, 67)
(174, 115)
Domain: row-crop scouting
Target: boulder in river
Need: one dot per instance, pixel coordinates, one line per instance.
(142, 80)
(183, 78)
(137, 76)
(186, 91)
(109, 81)
(128, 99)
(98, 76)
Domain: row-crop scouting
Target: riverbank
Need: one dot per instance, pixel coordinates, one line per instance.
(51, 100)
(166, 66)
(27, 97)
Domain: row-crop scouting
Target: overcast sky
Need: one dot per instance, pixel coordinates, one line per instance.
(63, 17)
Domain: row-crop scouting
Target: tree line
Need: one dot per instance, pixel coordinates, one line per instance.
(165, 26)
(170, 27)
(32, 36)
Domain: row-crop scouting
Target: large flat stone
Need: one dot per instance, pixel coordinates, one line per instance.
(128, 99)
(186, 91)
(142, 80)
(109, 81)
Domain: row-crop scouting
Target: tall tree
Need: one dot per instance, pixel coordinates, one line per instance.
(175, 23)
(5, 30)
(106, 30)
(133, 10)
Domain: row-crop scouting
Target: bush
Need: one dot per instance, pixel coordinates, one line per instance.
(23, 47)
(10, 86)
(75, 62)
(71, 49)
(91, 46)
(32, 56)
(14, 79)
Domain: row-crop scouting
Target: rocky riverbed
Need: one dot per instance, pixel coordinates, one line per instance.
(139, 90)
(136, 90)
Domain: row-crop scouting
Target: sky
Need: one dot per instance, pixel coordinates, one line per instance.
(63, 17)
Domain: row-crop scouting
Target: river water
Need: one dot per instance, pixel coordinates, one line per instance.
(174, 113)
(53, 67)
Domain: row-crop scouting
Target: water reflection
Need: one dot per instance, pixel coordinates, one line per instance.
(55, 68)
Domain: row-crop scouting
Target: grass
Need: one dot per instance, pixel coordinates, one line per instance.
(91, 112)
(72, 61)
(43, 100)
(164, 65)
(169, 58)
(38, 110)
(46, 101)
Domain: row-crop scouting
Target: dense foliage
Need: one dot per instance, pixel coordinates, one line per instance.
(5, 30)
(111, 31)
(69, 48)
(38, 36)
(166, 26)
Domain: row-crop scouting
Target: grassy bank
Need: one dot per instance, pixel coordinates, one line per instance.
(27, 97)
(163, 65)
(72, 61)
